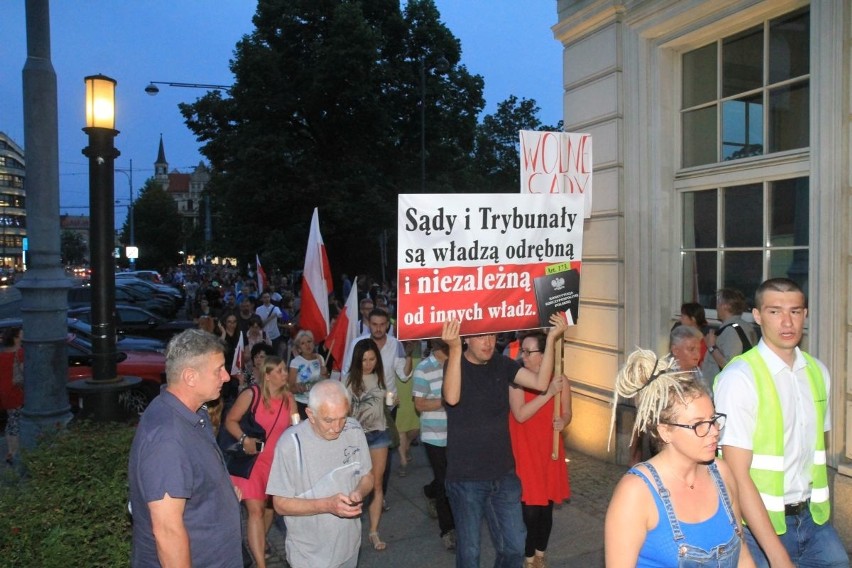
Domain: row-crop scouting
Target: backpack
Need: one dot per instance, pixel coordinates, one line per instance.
(743, 337)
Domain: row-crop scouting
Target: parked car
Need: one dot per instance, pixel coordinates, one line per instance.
(147, 365)
(157, 290)
(84, 330)
(7, 276)
(122, 342)
(81, 296)
(131, 320)
(151, 275)
(150, 366)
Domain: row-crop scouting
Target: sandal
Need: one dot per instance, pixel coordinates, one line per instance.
(377, 542)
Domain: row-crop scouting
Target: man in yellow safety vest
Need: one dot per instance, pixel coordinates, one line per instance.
(777, 403)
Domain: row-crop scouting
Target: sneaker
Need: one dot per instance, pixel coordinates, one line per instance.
(449, 540)
(432, 507)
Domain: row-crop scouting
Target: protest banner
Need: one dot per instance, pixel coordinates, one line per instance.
(557, 162)
(479, 258)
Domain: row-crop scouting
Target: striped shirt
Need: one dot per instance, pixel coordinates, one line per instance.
(428, 380)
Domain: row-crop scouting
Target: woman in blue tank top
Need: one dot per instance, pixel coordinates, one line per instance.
(678, 509)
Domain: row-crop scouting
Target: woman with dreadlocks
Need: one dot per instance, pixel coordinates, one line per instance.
(680, 507)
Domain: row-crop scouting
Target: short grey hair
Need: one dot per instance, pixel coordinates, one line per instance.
(682, 333)
(185, 347)
(327, 391)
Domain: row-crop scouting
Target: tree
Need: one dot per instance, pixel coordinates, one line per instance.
(497, 152)
(74, 248)
(158, 227)
(325, 112)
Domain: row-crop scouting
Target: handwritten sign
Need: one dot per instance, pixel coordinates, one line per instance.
(557, 162)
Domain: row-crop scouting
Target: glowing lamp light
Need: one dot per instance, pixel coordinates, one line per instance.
(100, 102)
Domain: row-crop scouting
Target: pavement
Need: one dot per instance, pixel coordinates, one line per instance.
(413, 539)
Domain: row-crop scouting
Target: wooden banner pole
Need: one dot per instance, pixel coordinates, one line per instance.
(557, 398)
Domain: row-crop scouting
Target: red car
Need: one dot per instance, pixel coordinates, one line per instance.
(150, 366)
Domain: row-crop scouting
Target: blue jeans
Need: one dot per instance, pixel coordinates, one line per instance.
(807, 543)
(499, 501)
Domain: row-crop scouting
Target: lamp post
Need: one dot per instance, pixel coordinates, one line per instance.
(130, 218)
(440, 66)
(100, 393)
(152, 89)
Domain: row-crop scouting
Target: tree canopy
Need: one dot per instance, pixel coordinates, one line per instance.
(74, 248)
(158, 227)
(326, 112)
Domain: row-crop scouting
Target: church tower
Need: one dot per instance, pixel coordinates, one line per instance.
(161, 166)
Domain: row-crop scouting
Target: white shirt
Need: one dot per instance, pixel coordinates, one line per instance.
(736, 396)
(270, 327)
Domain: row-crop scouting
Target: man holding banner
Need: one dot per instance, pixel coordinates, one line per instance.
(481, 480)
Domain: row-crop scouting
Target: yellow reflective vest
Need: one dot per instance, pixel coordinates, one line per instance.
(767, 464)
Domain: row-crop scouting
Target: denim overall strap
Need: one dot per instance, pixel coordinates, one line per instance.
(726, 499)
(664, 495)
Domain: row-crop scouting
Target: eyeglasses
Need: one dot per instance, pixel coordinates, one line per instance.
(528, 352)
(702, 428)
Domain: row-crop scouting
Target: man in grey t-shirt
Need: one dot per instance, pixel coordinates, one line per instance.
(321, 474)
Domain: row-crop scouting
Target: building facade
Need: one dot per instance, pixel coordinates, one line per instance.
(13, 214)
(186, 189)
(721, 144)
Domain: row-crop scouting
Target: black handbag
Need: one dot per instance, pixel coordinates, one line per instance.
(238, 462)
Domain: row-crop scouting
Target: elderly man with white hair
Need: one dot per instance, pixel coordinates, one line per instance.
(320, 476)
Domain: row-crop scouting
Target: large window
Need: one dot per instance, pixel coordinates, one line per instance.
(747, 94)
(738, 236)
(744, 205)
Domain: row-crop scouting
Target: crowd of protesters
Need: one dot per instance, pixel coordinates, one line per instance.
(488, 404)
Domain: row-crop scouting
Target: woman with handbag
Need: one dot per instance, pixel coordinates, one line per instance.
(265, 407)
(368, 395)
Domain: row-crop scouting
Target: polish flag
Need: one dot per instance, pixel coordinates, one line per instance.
(345, 329)
(237, 364)
(261, 276)
(316, 284)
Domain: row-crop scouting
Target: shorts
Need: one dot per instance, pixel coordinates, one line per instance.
(378, 439)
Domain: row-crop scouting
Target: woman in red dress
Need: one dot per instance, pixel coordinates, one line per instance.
(544, 481)
(273, 413)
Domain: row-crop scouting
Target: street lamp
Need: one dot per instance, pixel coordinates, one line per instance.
(130, 217)
(152, 89)
(440, 66)
(100, 393)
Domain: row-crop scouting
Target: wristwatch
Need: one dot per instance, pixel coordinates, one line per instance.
(711, 349)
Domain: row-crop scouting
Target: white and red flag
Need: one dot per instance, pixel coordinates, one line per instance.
(316, 284)
(261, 276)
(237, 364)
(345, 330)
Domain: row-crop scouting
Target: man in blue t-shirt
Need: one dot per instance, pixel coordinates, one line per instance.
(481, 480)
(185, 509)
